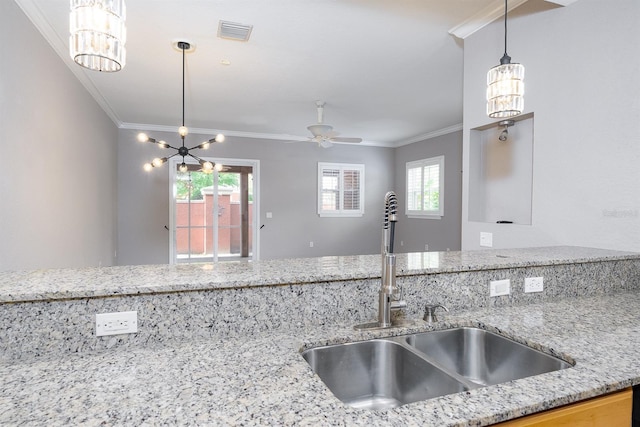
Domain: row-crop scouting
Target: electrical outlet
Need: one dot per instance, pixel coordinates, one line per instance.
(533, 284)
(499, 287)
(116, 323)
(426, 248)
(310, 244)
(486, 239)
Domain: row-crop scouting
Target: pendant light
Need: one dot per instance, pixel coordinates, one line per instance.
(183, 151)
(98, 34)
(505, 84)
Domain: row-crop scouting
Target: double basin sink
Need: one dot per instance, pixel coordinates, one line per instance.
(389, 372)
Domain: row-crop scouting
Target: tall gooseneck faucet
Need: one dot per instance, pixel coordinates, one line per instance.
(390, 297)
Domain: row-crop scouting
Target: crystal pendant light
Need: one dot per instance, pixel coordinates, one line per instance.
(505, 84)
(183, 131)
(98, 34)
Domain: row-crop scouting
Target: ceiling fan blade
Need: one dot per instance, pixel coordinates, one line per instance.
(351, 140)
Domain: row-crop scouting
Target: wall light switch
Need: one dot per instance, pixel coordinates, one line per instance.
(486, 239)
(269, 214)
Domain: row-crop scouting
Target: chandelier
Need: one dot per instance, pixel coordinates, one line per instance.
(98, 34)
(505, 84)
(183, 151)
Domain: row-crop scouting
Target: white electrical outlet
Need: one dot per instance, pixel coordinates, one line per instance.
(533, 284)
(310, 244)
(116, 323)
(486, 239)
(499, 287)
(426, 248)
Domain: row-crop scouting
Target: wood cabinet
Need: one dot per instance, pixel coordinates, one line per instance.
(611, 410)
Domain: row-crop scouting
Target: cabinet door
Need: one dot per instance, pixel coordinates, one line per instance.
(612, 410)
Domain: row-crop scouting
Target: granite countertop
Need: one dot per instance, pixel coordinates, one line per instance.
(52, 284)
(263, 380)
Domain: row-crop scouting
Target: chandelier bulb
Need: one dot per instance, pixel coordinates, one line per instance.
(219, 138)
(183, 131)
(204, 145)
(157, 162)
(207, 167)
(143, 137)
(218, 167)
(147, 167)
(163, 144)
(183, 167)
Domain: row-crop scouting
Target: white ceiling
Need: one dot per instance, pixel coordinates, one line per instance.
(388, 70)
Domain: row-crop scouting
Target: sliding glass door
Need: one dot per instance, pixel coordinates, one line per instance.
(214, 214)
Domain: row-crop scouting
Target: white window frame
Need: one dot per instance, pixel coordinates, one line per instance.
(341, 167)
(423, 213)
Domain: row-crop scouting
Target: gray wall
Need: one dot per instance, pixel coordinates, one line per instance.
(582, 65)
(58, 148)
(440, 234)
(288, 189)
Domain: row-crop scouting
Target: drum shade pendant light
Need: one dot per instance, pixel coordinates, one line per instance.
(98, 34)
(505, 84)
(183, 151)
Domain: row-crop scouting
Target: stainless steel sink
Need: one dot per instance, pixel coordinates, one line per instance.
(482, 356)
(390, 372)
(378, 374)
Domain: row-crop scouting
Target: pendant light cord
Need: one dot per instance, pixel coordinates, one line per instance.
(183, 82)
(505, 27)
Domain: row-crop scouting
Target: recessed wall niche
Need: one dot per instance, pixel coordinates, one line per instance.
(501, 172)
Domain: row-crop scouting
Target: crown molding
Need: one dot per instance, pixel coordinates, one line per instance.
(287, 137)
(240, 134)
(484, 17)
(489, 14)
(428, 135)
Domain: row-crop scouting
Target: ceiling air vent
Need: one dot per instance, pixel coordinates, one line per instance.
(234, 31)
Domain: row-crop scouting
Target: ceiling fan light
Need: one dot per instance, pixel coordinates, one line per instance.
(320, 129)
(98, 34)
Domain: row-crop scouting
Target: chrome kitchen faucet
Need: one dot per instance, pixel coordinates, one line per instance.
(390, 295)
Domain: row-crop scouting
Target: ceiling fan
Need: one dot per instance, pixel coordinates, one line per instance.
(324, 134)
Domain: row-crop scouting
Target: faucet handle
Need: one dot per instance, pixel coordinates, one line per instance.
(430, 312)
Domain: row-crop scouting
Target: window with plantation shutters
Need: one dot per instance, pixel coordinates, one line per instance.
(425, 183)
(340, 189)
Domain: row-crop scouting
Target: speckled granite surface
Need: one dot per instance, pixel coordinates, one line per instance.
(42, 327)
(219, 345)
(263, 380)
(135, 280)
